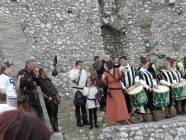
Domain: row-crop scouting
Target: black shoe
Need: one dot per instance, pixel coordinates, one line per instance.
(56, 130)
(79, 124)
(91, 127)
(86, 123)
(96, 126)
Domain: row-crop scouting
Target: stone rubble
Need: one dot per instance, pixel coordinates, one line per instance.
(163, 130)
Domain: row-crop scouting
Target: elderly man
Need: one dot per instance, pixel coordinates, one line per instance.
(28, 86)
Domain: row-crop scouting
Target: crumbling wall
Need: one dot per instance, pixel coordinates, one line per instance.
(141, 27)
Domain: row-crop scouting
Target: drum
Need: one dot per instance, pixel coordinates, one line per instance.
(161, 96)
(138, 95)
(179, 91)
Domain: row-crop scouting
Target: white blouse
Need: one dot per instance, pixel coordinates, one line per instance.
(91, 92)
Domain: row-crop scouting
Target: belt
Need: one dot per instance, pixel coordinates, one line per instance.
(115, 88)
(9, 97)
(95, 100)
(77, 87)
(91, 99)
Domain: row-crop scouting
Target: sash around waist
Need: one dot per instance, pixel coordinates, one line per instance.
(115, 88)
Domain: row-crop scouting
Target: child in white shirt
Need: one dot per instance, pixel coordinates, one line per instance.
(92, 103)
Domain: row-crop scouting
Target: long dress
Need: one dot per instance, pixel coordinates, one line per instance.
(116, 109)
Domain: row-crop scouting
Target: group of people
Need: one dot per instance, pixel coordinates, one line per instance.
(122, 89)
(20, 97)
(112, 85)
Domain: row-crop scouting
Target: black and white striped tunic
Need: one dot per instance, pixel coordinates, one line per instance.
(177, 75)
(128, 75)
(166, 77)
(146, 78)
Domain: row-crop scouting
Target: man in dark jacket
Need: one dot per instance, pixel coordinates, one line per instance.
(51, 97)
(28, 87)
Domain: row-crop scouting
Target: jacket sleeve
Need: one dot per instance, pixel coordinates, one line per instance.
(26, 82)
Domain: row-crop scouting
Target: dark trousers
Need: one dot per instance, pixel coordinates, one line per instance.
(128, 102)
(81, 110)
(103, 98)
(93, 112)
(38, 110)
(149, 104)
(180, 106)
(52, 109)
(171, 99)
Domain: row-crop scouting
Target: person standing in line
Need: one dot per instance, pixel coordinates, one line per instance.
(180, 105)
(92, 103)
(97, 70)
(184, 64)
(79, 76)
(7, 82)
(145, 78)
(116, 62)
(116, 109)
(51, 97)
(127, 78)
(167, 78)
(28, 87)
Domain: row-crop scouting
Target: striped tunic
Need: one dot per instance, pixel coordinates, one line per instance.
(128, 75)
(166, 77)
(146, 78)
(177, 75)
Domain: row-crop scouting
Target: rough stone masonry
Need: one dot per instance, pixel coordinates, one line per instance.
(81, 29)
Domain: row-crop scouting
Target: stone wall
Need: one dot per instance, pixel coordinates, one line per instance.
(172, 129)
(141, 27)
(12, 42)
(69, 29)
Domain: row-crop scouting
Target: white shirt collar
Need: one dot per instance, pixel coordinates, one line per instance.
(143, 69)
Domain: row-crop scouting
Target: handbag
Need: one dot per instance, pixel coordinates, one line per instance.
(79, 98)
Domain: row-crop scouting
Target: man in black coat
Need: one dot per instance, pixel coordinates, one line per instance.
(51, 97)
(28, 86)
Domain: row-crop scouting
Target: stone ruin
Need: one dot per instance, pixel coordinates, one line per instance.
(81, 29)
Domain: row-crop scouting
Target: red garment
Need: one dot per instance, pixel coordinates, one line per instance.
(116, 109)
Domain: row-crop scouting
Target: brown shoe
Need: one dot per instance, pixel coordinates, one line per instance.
(131, 119)
(178, 107)
(172, 111)
(167, 115)
(155, 116)
(145, 117)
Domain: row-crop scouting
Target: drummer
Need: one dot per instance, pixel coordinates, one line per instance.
(167, 78)
(128, 78)
(184, 64)
(180, 105)
(145, 78)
